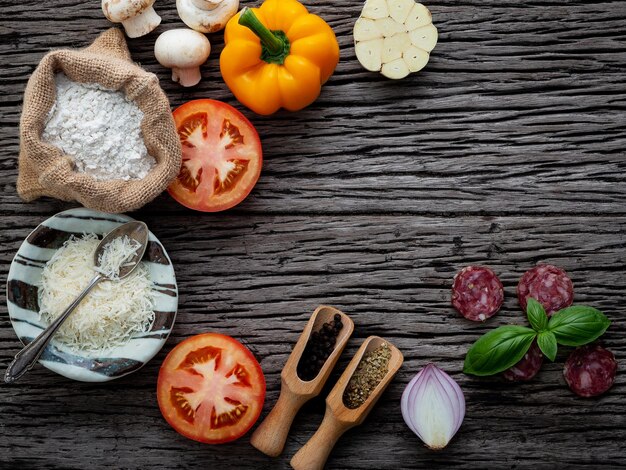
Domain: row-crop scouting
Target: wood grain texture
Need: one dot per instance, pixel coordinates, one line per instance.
(506, 150)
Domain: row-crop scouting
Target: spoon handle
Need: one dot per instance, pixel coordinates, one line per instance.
(315, 452)
(26, 358)
(271, 435)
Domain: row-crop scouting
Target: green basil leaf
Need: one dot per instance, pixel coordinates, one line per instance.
(547, 343)
(578, 325)
(498, 350)
(536, 315)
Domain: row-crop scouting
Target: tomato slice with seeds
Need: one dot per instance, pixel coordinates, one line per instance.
(211, 388)
(222, 156)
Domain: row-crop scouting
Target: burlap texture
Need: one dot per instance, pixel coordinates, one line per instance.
(44, 170)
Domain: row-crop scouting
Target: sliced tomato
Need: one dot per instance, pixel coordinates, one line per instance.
(211, 388)
(222, 156)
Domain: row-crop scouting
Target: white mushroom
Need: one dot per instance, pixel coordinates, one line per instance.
(206, 16)
(137, 16)
(183, 51)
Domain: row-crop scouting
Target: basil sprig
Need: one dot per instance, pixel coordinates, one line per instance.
(498, 350)
(536, 315)
(578, 325)
(546, 340)
(505, 346)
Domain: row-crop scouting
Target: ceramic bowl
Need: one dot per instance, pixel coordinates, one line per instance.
(23, 298)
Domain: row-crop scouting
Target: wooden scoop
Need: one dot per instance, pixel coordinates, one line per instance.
(271, 435)
(339, 418)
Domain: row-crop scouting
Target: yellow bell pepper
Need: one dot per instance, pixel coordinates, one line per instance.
(277, 56)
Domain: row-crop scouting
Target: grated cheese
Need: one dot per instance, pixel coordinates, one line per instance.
(113, 311)
(114, 256)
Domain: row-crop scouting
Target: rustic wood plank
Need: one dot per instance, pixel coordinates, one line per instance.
(506, 150)
(392, 274)
(519, 102)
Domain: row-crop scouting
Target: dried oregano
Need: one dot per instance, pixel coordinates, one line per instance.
(368, 374)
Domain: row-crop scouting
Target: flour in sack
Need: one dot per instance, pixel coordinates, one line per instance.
(99, 129)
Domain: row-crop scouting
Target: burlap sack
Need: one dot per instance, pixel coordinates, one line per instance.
(44, 170)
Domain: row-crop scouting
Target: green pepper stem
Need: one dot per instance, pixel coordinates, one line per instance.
(268, 39)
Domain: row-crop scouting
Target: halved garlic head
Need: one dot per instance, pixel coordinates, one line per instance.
(394, 37)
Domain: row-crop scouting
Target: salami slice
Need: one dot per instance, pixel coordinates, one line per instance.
(547, 284)
(527, 367)
(590, 370)
(477, 293)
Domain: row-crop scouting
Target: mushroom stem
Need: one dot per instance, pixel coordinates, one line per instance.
(206, 5)
(186, 76)
(141, 24)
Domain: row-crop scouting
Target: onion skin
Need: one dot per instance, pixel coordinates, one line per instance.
(433, 407)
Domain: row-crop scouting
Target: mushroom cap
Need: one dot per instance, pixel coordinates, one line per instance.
(182, 48)
(121, 10)
(206, 16)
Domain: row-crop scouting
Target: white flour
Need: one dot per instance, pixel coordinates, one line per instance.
(99, 129)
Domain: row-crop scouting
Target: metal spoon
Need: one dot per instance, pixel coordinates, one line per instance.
(26, 358)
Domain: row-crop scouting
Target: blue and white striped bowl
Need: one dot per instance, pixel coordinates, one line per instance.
(23, 300)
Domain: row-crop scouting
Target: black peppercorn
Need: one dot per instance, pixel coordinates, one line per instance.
(319, 347)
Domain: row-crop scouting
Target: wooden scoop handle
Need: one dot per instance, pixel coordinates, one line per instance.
(271, 435)
(315, 452)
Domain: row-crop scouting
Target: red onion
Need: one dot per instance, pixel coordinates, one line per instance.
(433, 406)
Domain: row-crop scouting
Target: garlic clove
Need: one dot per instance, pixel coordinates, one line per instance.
(415, 58)
(418, 16)
(369, 53)
(395, 70)
(375, 9)
(394, 46)
(366, 29)
(424, 37)
(399, 9)
(389, 27)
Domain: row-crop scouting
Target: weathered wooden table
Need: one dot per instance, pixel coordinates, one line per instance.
(508, 149)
